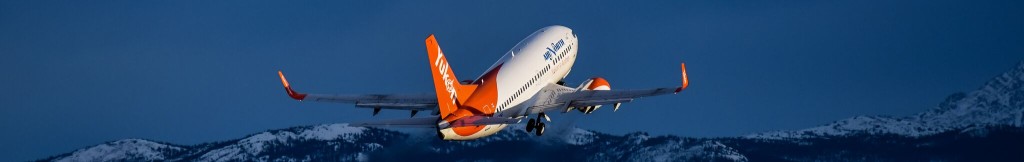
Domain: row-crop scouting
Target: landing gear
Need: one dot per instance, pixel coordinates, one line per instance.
(536, 124)
(529, 125)
(540, 129)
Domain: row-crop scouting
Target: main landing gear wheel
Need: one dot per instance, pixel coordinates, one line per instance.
(540, 129)
(537, 124)
(529, 125)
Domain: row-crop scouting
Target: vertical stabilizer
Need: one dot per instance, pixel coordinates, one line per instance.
(450, 93)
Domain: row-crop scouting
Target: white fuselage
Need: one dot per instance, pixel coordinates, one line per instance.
(528, 70)
(544, 57)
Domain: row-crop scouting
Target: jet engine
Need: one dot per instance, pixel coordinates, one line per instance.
(594, 84)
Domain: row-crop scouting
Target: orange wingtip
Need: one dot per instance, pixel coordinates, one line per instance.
(288, 88)
(686, 81)
(283, 80)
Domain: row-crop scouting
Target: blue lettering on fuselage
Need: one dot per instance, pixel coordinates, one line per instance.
(554, 47)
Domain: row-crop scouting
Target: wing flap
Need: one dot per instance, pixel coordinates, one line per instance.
(599, 102)
(582, 98)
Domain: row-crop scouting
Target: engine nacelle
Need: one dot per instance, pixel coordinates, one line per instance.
(598, 83)
(594, 84)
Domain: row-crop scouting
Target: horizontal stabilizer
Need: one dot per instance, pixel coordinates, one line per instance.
(479, 120)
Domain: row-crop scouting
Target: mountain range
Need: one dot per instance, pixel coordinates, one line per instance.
(986, 124)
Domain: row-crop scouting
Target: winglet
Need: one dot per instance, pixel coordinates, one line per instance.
(288, 88)
(686, 81)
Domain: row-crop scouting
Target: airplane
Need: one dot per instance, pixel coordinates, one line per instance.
(526, 81)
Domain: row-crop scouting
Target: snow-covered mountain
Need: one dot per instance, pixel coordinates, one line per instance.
(982, 125)
(340, 142)
(124, 150)
(999, 102)
(330, 141)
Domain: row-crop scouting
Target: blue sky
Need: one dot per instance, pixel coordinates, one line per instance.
(81, 73)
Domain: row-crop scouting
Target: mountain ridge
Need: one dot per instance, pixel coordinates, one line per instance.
(347, 143)
(984, 124)
(1000, 101)
(575, 145)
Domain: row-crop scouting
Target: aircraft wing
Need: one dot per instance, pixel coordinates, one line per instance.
(586, 98)
(563, 97)
(605, 97)
(414, 102)
(384, 101)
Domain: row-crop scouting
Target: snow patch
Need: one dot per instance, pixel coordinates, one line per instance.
(250, 147)
(133, 149)
(580, 137)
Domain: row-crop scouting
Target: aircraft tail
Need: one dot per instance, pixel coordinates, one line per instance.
(450, 93)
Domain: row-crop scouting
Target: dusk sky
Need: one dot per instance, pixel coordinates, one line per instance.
(80, 73)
